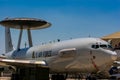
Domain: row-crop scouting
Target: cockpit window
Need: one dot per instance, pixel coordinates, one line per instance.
(95, 46)
(110, 47)
(104, 46)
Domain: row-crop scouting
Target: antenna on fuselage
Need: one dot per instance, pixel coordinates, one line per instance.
(25, 24)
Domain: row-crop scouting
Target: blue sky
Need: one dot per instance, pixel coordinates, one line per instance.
(69, 18)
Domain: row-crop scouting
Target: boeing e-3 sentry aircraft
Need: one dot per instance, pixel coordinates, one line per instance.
(75, 55)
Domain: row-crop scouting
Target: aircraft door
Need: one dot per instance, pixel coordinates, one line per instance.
(71, 52)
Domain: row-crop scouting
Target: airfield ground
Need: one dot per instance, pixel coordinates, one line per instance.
(9, 78)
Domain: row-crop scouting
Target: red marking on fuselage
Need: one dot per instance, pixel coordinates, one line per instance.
(94, 64)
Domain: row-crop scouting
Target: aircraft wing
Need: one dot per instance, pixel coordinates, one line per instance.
(29, 63)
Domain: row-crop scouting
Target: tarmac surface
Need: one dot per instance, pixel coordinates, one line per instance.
(9, 78)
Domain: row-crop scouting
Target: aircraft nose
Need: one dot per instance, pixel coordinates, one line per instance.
(114, 55)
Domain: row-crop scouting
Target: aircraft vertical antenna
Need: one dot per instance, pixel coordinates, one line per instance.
(8, 40)
(19, 40)
(29, 38)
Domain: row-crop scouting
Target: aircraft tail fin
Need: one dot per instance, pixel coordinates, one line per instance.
(8, 40)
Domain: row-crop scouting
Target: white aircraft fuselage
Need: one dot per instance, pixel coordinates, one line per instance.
(75, 55)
